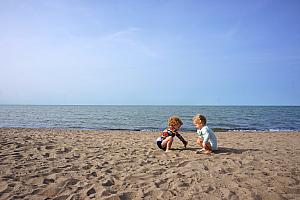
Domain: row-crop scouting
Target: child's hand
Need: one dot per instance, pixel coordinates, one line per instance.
(185, 144)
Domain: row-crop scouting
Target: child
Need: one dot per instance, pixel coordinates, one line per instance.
(165, 140)
(207, 139)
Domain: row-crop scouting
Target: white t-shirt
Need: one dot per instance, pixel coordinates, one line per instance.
(208, 136)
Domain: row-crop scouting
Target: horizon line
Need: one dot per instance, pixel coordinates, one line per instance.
(145, 105)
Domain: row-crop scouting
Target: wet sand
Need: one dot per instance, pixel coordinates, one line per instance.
(76, 164)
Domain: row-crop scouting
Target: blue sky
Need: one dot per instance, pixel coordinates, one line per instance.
(150, 52)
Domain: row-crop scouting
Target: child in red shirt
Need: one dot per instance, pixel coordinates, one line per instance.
(166, 138)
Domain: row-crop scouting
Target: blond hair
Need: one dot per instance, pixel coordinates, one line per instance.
(174, 120)
(199, 119)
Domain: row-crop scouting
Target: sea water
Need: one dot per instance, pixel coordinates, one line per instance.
(101, 117)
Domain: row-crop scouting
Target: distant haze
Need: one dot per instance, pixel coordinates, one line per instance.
(150, 52)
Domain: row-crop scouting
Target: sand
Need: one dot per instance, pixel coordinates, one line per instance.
(77, 164)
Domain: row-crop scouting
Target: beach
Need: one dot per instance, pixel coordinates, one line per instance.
(93, 164)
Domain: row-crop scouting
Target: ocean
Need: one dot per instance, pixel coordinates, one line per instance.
(150, 118)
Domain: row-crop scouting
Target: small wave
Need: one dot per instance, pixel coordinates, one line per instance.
(220, 129)
(282, 130)
(150, 130)
(245, 130)
(123, 129)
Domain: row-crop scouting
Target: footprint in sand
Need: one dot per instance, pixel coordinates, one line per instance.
(228, 194)
(54, 189)
(91, 191)
(64, 150)
(48, 181)
(51, 191)
(182, 164)
(125, 196)
(108, 182)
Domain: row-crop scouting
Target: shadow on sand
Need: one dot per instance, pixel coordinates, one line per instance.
(221, 150)
(228, 150)
(185, 149)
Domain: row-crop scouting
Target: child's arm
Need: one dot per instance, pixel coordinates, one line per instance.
(205, 137)
(182, 139)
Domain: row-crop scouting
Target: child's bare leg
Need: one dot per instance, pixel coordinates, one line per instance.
(200, 141)
(167, 143)
(208, 149)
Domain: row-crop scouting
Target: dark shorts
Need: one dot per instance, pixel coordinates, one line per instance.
(159, 145)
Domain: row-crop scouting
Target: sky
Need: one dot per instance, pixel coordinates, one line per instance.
(158, 52)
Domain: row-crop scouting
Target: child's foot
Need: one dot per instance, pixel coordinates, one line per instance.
(167, 151)
(200, 151)
(207, 152)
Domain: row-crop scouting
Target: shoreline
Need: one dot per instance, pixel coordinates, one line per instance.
(216, 130)
(103, 164)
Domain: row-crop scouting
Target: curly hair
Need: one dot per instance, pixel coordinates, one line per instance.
(199, 119)
(174, 120)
